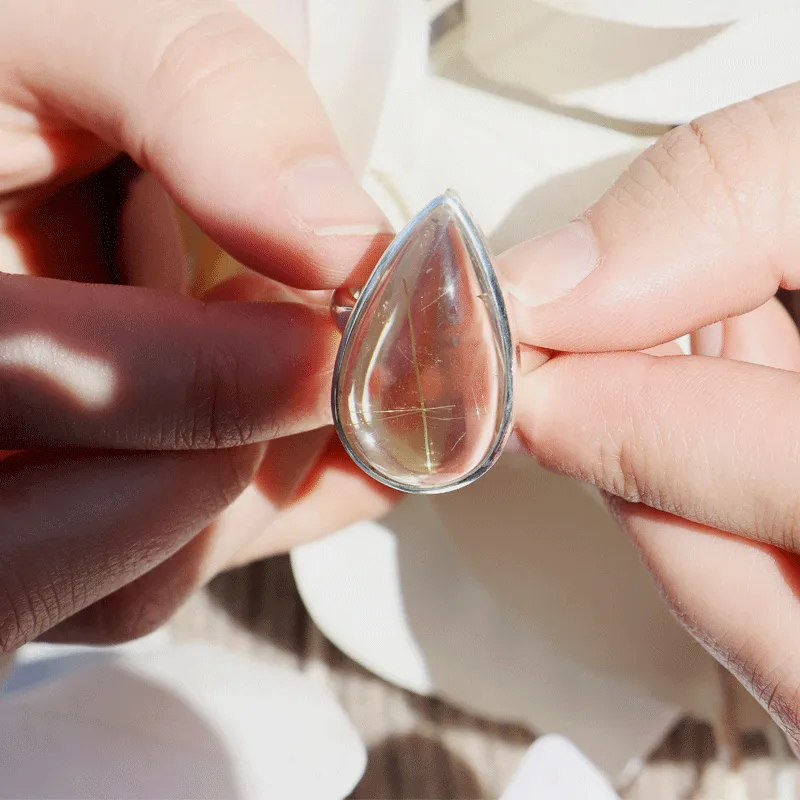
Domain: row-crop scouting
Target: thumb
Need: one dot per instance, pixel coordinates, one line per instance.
(701, 227)
(200, 95)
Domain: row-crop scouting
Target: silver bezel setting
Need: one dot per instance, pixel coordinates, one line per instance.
(478, 251)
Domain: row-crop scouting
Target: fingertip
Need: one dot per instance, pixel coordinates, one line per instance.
(288, 464)
(311, 225)
(282, 200)
(541, 272)
(536, 411)
(548, 267)
(694, 231)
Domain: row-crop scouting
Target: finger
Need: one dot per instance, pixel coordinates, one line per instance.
(767, 336)
(200, 95)
(295, 495)
(64, 235)
(271, 516)
(738, 597)
(708, 439)
(243, 284)
(316, 509)
(701, 227)
(708, 341)
(135, 368)
(33, 153)
(151, 251)
(77, 527)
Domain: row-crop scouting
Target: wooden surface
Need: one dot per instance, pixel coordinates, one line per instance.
(419, 748)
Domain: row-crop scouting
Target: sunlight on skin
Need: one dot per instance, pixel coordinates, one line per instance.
(89, 379)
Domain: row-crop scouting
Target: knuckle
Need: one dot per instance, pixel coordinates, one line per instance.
(778, 523)
(25, 612)
(616, 469)
(782, 702)
(621, 460)
(713, 169)
(219, 411)
(201, 49)
(627, 457)
(623, 473)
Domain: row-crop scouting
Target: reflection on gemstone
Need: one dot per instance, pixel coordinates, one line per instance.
(422, 389)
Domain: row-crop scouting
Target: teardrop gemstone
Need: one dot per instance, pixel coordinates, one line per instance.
(423, 379)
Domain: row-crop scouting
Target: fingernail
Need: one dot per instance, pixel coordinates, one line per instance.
(547, 267)
(324, 197)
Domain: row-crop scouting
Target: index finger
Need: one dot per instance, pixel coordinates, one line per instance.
(136, 368)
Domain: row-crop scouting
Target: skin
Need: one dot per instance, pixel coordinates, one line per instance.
(697, 454)
(114, 504)
(202, 443)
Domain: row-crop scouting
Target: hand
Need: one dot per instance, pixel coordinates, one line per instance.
(134, 416)
(699, 455)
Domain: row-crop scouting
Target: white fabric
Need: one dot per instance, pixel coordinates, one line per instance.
(672, 14)
(191, 721)
(646, 74)
(399, 597)
(352, 50)
(554, 769)
(150, 720)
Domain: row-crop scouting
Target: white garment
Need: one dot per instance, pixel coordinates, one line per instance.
(151, 720)
(161, 721)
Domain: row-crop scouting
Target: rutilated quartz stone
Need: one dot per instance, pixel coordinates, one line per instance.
(423, 383)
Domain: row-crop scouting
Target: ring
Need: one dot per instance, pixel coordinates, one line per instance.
(422, 394)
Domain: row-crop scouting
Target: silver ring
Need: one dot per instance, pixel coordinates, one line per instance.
(422, 394)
